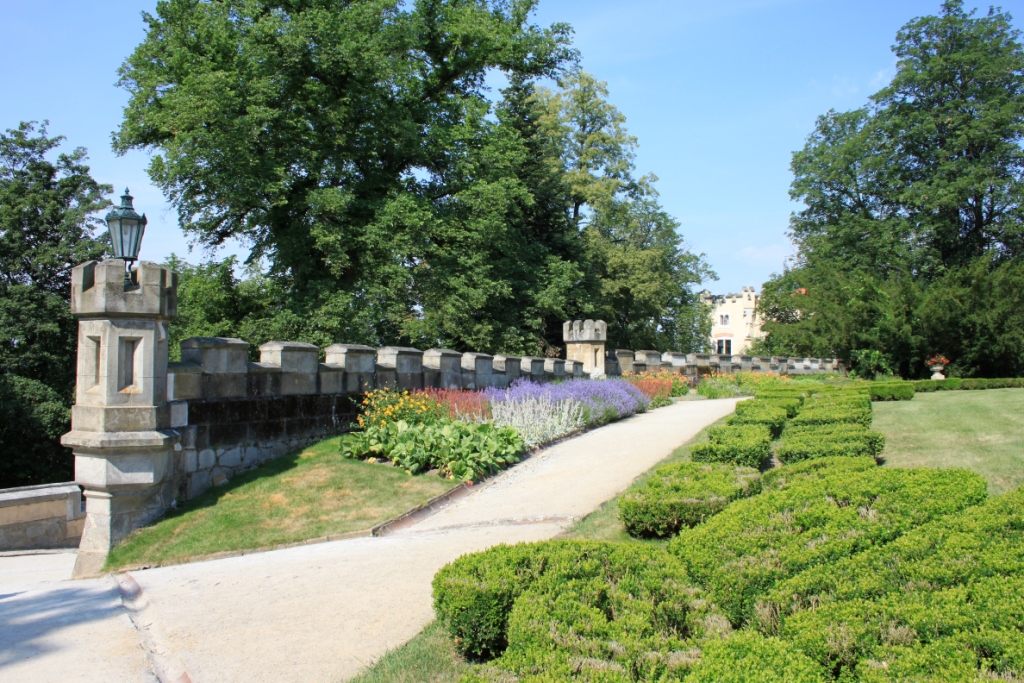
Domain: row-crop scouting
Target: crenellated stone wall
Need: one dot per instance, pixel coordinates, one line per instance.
(233, 415)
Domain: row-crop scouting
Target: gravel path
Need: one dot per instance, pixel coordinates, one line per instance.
(318, 612)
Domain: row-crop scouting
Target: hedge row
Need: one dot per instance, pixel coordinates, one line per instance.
(684, 494)
(806, 442)
(894, 391)
(818, 517)
(743, 444)
(950, 384)
(790, 404)
(841, 532)
(761, 413)
(1008, 383)
(943, 602)
(486, 600)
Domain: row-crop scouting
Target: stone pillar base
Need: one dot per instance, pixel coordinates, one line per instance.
(110, 517)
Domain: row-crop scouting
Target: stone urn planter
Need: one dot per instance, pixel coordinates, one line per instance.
(937, 371)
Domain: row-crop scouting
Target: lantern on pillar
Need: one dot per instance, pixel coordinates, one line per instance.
(126, 230)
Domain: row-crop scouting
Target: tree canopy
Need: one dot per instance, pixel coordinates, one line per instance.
(355, 147)
(48, 216)
(904, 197)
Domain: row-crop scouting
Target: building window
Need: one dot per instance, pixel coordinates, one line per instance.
(724, 320)
(746, 312)
(723, 347)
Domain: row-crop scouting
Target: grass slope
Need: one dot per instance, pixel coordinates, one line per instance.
(305, 495)
(430, 657)
(979, 430)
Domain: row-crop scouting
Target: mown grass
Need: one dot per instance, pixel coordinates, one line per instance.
(304, 495)
(980, 430)
(430, 657)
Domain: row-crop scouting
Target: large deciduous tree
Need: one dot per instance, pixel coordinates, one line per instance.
(923, 185)
(48, 216)
(341, 140)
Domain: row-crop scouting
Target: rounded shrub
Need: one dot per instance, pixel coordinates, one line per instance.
(749, 657)
(684, 494)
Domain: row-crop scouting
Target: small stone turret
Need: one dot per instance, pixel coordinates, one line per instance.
(585, 342)
(120, 423)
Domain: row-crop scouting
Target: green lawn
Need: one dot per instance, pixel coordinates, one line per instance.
(301, 496)
(980, 430)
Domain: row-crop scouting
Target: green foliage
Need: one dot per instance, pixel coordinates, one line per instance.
(790, 405)
(459, 450)
(684, 494)
(902, 391)
(744, 444)
(939, 603)
(833, 414)
(32, 418)
(751, 546)
(910, 241)
(355, 147)
(926, 385)
(561, 604)
(48, 207)
(763, 413)
(805, 446)
(748, 657)
(994, 383)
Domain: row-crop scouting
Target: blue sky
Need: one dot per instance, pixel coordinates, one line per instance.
(719, 94)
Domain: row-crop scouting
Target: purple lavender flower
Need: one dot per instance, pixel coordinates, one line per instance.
(602, 400)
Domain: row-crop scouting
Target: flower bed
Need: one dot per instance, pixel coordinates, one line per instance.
(468, 434)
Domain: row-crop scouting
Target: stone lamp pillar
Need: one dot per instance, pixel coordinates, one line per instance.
(585, 342)
(120, 423)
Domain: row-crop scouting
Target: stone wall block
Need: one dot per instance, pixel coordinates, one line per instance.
(512, 366)
(385, 378)
(400, 359)
(217, 355)
(331, 379)
(443, 360)
(554, 367)
(295, 357)
(626, 359)
(353, 358)
(184, 381)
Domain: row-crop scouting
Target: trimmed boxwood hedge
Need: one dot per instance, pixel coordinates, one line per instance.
(836, 432)
(549, 604)
(949, 384)
(744, 551)
(748, 657)
(790, 405)
(684, 494)
(939, 603)
(765, 414)
(744, 444)
(998, 383)
(825, 414)
(902, 391)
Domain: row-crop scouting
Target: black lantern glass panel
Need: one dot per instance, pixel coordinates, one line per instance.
(126, 229)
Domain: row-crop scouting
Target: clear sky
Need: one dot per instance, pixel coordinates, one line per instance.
(719, 93)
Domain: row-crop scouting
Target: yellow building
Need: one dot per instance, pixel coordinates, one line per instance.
(735, 325)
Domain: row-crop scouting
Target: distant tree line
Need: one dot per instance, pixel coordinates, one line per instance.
(911, 239)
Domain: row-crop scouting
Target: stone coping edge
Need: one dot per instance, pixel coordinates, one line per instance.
(42, 493)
